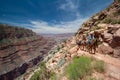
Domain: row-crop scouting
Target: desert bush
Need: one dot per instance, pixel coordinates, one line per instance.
(6, 41)
(82, 67)
(111, 21)
(99, 66)
(118, 21)
(35, 76)
(79, 68)
(92, 79)
(117, 13)
(43, 73)
(53, 76)
(95, 28)
(58, 48)
(107, 20)
(117, 0)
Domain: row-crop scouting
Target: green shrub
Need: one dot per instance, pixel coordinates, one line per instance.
(92, 79)
(95, 28)
(35, 76)
(111, 21)
(118, 21)
(53, 76)
(6, 41)
(58, 48)
(82, 67)
(107, 20)
(115, 22)
(99, 66)
(116, 13)
(79, 68)
(43, 74)
(117, 0)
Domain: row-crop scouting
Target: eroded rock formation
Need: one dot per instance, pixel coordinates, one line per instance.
(107, 24)
(20, 49)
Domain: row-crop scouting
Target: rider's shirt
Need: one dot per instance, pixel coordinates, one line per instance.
(90, 37)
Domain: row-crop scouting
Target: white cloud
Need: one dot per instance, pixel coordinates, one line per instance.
(63, 27)
(70, 6)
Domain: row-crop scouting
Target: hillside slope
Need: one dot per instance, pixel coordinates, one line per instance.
(106, 24)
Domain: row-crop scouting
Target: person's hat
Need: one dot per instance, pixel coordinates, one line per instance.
(91, 32)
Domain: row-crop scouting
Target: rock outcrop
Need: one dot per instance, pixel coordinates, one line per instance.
(107, 24)
(12, 32)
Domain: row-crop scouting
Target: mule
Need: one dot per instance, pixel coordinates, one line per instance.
(92, 46)
(81, 44)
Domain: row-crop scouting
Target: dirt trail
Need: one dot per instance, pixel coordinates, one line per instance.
(112, 64)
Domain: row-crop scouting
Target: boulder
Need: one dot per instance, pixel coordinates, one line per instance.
(105, 49)
(107, 37)
(73, 50)
(115, 42)
(116, 39)
(117, 33)
(102, 25)
(112, 29)
(73, 41)
(116, 52)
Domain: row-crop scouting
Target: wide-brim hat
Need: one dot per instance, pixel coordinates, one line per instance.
(91, 32)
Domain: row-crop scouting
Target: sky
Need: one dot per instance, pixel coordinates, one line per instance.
(50, 16)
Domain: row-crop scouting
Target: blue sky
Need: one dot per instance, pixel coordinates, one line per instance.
(50, 16)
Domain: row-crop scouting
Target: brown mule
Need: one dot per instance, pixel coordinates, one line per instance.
(92, 46)
(82, 44)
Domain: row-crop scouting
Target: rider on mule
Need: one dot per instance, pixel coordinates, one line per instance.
(91, 42)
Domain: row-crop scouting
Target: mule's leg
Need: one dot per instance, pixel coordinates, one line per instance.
(80, 47)
(94, 50)
(95, 46)
(83, 47)
(91, 49)
(87, 48)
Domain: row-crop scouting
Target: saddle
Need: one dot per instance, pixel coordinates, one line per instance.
(93, 41)
(90, 42)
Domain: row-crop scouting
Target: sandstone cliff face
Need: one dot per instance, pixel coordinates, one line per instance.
(20, 49)
(107, 24)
